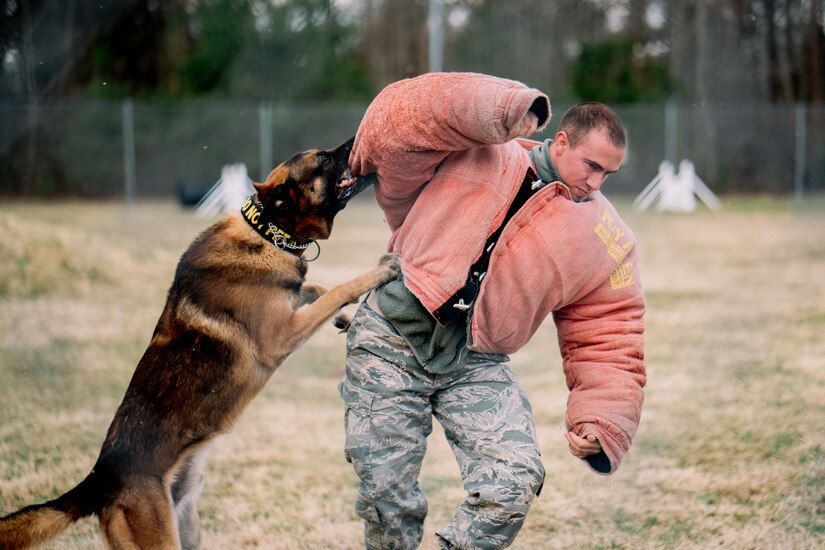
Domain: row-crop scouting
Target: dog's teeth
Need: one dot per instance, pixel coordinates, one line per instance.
(346, 179)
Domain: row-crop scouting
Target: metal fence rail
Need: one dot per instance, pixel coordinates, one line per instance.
(150, 149)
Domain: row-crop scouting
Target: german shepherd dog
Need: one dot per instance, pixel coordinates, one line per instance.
(237, 307)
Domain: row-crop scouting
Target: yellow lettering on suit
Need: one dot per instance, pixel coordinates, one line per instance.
(612, 235)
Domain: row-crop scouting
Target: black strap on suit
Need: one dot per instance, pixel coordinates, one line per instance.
(458, 304)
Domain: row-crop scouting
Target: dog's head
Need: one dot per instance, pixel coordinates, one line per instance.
(307, 191)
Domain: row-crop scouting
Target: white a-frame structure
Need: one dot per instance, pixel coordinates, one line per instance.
(676, 192)
(228, 194)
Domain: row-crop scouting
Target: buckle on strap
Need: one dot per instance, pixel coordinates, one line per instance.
(457, 305)
(461, 305)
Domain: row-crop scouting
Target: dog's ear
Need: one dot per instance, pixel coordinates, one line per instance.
(274, 188)
(278, 192)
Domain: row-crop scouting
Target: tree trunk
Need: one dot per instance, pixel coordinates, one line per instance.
(678, 17)
(636, 26)
(29, 140)
(776, 83)
(701, 33)
(815, 51)
(791, 73)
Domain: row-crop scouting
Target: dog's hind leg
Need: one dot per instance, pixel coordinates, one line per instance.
(186, 488)
(141, 516)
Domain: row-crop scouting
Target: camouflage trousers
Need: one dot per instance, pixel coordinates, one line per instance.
(390, 401)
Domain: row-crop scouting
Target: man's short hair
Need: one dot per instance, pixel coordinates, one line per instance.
(581, 119)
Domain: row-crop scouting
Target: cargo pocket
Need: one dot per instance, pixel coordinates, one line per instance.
(357, 428)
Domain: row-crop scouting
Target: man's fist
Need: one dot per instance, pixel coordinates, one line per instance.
(582, 447)
(526, 127)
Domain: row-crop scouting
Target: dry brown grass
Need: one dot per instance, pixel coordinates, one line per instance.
(730, 453)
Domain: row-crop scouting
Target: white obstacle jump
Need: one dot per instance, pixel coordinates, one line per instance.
(676, 192)
(228, 194)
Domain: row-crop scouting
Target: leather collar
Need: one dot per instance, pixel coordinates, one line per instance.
(253, 212)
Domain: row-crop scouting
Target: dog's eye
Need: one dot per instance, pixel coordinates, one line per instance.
(325, 159)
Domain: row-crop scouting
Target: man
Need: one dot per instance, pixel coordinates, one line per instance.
(435, 342)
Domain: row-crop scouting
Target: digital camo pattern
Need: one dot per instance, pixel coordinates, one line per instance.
(390, 401)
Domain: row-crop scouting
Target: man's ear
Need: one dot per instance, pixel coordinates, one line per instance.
(562, 142)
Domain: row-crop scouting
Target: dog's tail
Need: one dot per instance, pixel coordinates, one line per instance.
(40, 522)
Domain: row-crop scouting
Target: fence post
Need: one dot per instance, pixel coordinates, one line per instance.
(129, 170)
(265, 138)
(800, 151)
(671, 132)
(435, 27)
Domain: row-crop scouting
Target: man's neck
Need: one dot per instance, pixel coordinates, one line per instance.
(542, 156)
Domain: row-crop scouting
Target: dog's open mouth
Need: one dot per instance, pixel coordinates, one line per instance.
(346, 179)
(348, 186)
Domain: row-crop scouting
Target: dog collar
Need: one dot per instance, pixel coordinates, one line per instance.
(253, 212)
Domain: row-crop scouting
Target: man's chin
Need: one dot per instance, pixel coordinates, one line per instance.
(579, 196)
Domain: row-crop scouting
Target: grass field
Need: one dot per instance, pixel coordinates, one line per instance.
(730, 452)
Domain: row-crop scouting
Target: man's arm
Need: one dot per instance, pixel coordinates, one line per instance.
(412, 125)
(602, 343)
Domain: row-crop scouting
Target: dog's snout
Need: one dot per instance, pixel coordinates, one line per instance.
(346, 147)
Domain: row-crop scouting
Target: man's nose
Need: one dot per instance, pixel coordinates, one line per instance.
(595, 181)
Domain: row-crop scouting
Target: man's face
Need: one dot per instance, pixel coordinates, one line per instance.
(585, 166)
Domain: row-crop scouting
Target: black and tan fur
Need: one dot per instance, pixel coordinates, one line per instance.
(237, 307)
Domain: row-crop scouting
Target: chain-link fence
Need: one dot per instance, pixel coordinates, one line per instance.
(150, 149)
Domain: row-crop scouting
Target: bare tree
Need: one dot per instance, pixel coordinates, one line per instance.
(534, 41)
(815, 53)
(637, 29)
(394, 39)
(747, 49)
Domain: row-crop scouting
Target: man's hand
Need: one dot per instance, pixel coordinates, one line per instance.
(585, 446)
(526, 127)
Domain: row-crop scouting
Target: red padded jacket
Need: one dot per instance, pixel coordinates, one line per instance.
(446, 175)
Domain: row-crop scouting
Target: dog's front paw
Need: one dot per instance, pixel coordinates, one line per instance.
(391, 264)
(342, 321)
